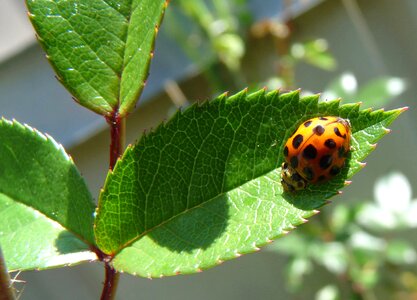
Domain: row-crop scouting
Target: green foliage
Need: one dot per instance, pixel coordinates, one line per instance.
(205, 186)
(314, 52)
(356, 243)
(211, 33)
(100, 50)
(377, 92)
(46, 210)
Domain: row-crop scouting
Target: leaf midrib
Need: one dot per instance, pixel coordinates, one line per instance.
(43, 214)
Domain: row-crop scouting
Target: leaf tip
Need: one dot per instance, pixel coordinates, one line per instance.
(255, 247)
(223, 95)
(297, 92)
(237, 254)
(290, 227)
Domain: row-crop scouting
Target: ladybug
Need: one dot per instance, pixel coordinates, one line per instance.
(316, 152)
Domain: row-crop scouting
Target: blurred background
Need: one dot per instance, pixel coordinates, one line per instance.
(362, 246)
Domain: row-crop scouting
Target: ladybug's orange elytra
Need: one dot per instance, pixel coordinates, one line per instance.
(316, 152)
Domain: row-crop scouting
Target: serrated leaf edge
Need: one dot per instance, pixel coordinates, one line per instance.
(353, 108)
(256, 246)
(50, 140)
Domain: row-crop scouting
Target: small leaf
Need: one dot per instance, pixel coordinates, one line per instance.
(205, 186)
(314, 52)
(345, 87)
(332, 255)
(101, 50)
(401, 253)
(296, 269)
(46, 210)
(380, 91)
(328, 292)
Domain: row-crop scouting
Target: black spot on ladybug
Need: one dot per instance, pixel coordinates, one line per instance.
(334, 171)
(294, 162)
(308, 173)
(323, 118)
(325, 161)
(297, 140)
(308, 123)
(330, 143)
(286, 151)
(319, 130)
(310, 152)
(342, 152)
(321, 178)
(337, 132)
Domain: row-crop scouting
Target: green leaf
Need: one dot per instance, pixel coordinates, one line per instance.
(296, 269)
(205, 186)
(377, 92)
(345, 86)
(328, 292)
(401, 253)
(332, 255)
(101, 50)
(46, 210)
(380, 91)
(314, 52)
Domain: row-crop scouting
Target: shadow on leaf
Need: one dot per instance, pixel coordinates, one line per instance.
(197, 228)
(67, 243)
(315, 196)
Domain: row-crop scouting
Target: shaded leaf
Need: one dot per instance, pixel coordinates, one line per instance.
(46, 210)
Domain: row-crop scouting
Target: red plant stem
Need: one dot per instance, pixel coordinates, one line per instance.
(117, 136)
(117, 140)
(110, 283)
